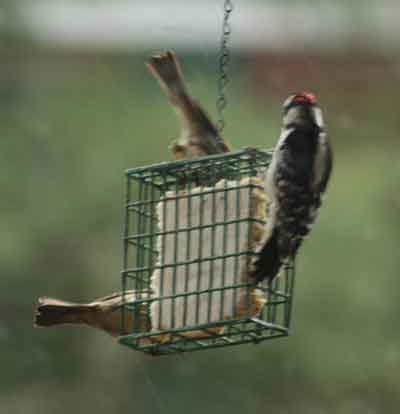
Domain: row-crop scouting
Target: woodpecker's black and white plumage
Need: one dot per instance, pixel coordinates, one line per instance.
(296, 180)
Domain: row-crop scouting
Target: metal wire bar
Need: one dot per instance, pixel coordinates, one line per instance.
(290, 289)
(133, 238)
(192, 261)
(176, 246)
(162, 266)
(192, 344)
(232, 322)
(212, 252)
(139, 283)
(189, 195)
(125, 255)
(188, 246)
(237, 248)
(143, 245)
(133, 305)
(199, 260)
(248, 257)
(274, 308)
(224, 243)
(152, 241)
(262, 156)
(232, 336)
(208, 290)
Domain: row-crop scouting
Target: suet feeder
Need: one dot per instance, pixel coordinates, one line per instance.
(192, 232)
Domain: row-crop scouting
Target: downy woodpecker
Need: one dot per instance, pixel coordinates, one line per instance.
(296, 180)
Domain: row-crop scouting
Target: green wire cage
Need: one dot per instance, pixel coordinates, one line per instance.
(191, 233)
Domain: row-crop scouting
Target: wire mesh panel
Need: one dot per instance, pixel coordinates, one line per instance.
(192, 232)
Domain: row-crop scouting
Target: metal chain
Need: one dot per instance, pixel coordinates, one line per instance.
(224, 59)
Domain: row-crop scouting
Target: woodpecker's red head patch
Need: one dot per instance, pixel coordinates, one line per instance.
(299, 98)
(305, 97)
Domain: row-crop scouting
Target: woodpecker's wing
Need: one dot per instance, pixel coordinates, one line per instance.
(323, 164)
(296, 179)
(269, 262)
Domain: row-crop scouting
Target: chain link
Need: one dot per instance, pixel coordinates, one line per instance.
(224, 60)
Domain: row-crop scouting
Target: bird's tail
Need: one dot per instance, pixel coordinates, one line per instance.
(54, 312)
(269, 261)
(166, 69)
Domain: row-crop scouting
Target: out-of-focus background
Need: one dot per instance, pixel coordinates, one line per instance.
(77, 107)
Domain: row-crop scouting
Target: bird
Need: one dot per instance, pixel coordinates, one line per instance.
(199, 136)
(104, 313)
(295, 182)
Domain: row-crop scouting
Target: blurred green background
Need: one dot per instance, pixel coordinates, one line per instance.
(72, 121)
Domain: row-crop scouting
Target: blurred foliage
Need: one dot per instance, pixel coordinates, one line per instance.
(69, 128)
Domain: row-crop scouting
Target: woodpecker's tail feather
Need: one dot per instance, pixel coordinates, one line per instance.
(166, 69)
(54, 312)
(269, 260)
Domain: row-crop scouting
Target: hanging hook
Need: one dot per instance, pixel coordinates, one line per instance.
(224, 60)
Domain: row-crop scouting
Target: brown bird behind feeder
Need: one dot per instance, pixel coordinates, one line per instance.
(104, 313)
(199, 136)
